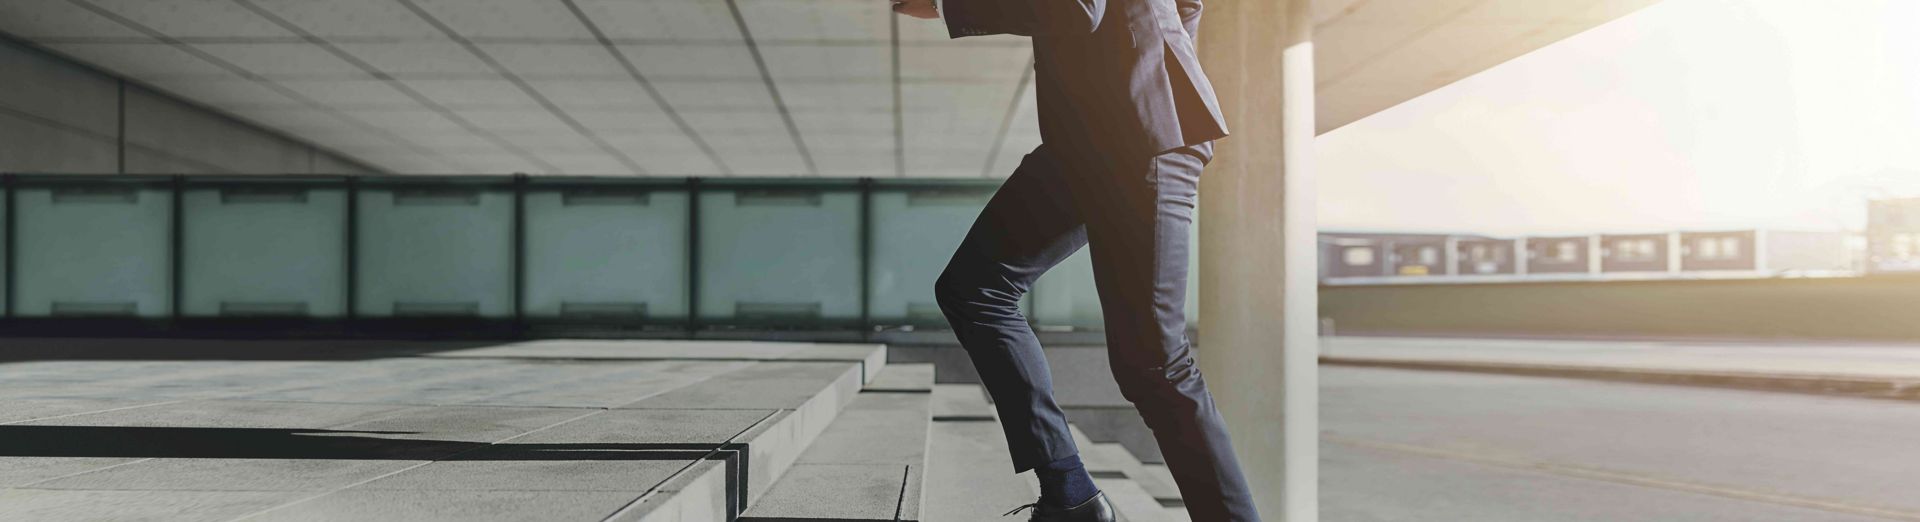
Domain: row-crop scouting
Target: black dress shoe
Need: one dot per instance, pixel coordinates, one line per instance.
(1096, 509)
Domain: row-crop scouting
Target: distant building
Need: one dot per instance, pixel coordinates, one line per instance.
(1342, 256)
(1766, 251)
(1387, 257)
(1486, 256)
(1711, 251)
(1635, 253)
(1559, 255)
(1893, 235)
(1420, 257)
(1360, 254)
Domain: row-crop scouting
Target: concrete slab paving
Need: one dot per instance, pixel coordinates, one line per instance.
(175, 474)
(186, 506)
(969, 469)
(28, 409)
(537, 471)
(961, 402)
(22, 471)
(770, 385)
(695, 495)
(474, 424)
(868, 464)
(502, 433)
(462, 506)
(614, 385)
(904, 378)
(1113, 469)
(231, 414)
(1158, 481)
(876, 428)
(848, 492)
(670, 429)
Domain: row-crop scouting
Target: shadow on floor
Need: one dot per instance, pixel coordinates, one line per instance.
(283, 443)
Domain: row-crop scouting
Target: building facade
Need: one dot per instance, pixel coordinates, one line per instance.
(1893, 235)
(1383, 257)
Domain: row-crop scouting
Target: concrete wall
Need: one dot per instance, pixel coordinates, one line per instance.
(1878, 308)
(61, 117)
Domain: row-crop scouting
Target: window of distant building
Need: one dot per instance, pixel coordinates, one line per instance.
(1716, 248)
(1429, 256)
(1485, 259)
(1357, 256)
(1635, 250)
(1566, 251)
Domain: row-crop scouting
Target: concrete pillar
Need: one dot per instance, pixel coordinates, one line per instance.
(1259, 342)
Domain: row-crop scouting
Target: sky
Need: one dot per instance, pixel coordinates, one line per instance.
(1686, 115)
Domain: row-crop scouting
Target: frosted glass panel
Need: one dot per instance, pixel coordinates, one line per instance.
(436, 251)
(1065, 296)
(264, 250)
(3, 253)
(786, 256)
(914, 234)
(607, 254)
(94, 250)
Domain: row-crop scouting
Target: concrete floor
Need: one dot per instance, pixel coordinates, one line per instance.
(1416, 446)
(515, 432)
(563, 429)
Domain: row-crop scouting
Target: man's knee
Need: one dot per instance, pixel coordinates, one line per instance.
(963, 292)
(1164, 385)
(953, 290)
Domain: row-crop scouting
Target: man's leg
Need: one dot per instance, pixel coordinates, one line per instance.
(1026, 228)
(1138, 218)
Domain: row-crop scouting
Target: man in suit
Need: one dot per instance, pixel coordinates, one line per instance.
(1127, 121)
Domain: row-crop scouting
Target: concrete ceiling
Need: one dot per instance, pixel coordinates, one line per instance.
(830, 88)
(1373, 54)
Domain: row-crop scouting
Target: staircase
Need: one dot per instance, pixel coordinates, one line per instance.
(893, 448)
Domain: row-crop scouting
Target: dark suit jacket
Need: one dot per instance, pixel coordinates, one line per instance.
(1121, 76)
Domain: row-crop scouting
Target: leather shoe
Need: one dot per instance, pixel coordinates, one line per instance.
(1096, 509)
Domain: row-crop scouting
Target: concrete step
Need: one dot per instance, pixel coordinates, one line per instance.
(1114, 469)
(806, 397)
(1159, 483)
(868, 464)
(969, 470)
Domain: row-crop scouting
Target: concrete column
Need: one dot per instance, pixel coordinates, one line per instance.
(1259, 306)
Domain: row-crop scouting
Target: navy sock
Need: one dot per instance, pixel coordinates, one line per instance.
(1065, 483)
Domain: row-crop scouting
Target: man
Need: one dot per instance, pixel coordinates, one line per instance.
(1127, 120)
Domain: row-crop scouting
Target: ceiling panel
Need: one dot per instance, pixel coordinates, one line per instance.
(705, 60)
(578, 59)
(235, 93)
(299, 60)
(193, 18)
(490, 92)
(825, 90)
(663, 20)
(338, 20)
(141, 60)
(776, 21)
(666, 154)
(427, 59)
(57, 18)
(621, 94)
(506, 19)
(351, 93)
